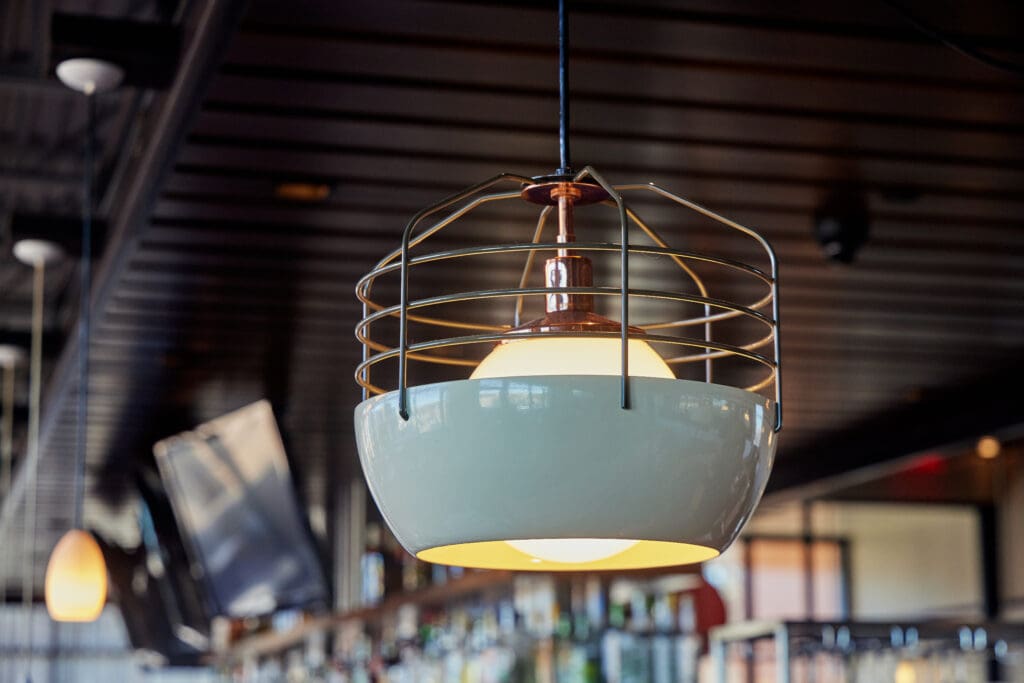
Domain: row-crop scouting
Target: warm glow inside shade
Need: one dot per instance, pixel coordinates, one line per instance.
(562, 356)
(570, 356)
(76, 578)
(572, 549)
(503, 555)
(906, 673)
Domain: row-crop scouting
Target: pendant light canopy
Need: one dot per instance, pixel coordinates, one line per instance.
(76, 575)
(622, 428)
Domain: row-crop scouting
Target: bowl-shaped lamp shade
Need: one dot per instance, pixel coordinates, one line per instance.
(549, 473)
(76, 578)
(552, 455)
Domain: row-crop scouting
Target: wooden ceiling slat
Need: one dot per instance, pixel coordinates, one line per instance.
(216, 127)
(396, 167)
(733, 196)
(593, 27)
(656, 81)
(658, 159)
(981, 278)
(480, 116)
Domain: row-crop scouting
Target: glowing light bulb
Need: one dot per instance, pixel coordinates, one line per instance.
(76, 578)
(906, 673)
(571, 356)
(988, 447)
(572, 550)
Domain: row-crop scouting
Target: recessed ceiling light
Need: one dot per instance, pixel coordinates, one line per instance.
(302, 192)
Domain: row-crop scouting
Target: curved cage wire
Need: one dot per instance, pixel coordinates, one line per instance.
(689, 334)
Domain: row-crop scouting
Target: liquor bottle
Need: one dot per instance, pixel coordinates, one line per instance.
(372, 567)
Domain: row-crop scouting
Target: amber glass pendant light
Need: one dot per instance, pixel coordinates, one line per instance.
(76, 575)
(588, 437)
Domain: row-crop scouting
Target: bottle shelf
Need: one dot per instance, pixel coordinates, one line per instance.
(265, 644)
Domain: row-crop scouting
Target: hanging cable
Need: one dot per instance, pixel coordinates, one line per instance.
(563, 90)
(81, 432)
(6, 453)
(32, 457)
(7, 431)
(963, 48)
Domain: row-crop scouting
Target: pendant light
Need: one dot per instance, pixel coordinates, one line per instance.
(76, 575)
(579, 441)
(37, 254)
(10, 358)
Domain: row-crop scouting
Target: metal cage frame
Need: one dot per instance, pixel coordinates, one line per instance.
(715, 309)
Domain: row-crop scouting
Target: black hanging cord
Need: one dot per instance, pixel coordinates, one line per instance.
(563, 89)
(85, 267)
(966, 50)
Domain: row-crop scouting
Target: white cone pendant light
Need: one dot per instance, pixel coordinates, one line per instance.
(594, 436)
(76, 575)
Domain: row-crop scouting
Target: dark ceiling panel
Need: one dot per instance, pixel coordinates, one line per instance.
(758, 110)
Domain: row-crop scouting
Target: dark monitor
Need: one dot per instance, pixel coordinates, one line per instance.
(232, 495)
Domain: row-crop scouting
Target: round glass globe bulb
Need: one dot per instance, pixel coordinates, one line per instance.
(570, 356)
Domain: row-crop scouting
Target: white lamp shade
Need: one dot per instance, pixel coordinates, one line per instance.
(482, 462)
(76, 578)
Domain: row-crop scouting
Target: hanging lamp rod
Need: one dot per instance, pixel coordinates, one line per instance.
(81, 431)
(563, 90)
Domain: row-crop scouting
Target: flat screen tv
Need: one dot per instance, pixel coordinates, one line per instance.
(233, 498)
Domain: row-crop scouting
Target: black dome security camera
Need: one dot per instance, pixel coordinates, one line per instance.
(841, 226)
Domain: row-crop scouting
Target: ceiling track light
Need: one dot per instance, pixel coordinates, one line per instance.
(572, 445)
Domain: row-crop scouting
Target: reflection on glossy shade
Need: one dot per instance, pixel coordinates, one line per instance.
(502, 555)
(76, 578)
(568, 356)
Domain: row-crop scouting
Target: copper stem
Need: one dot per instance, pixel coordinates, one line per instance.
(566, 232)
